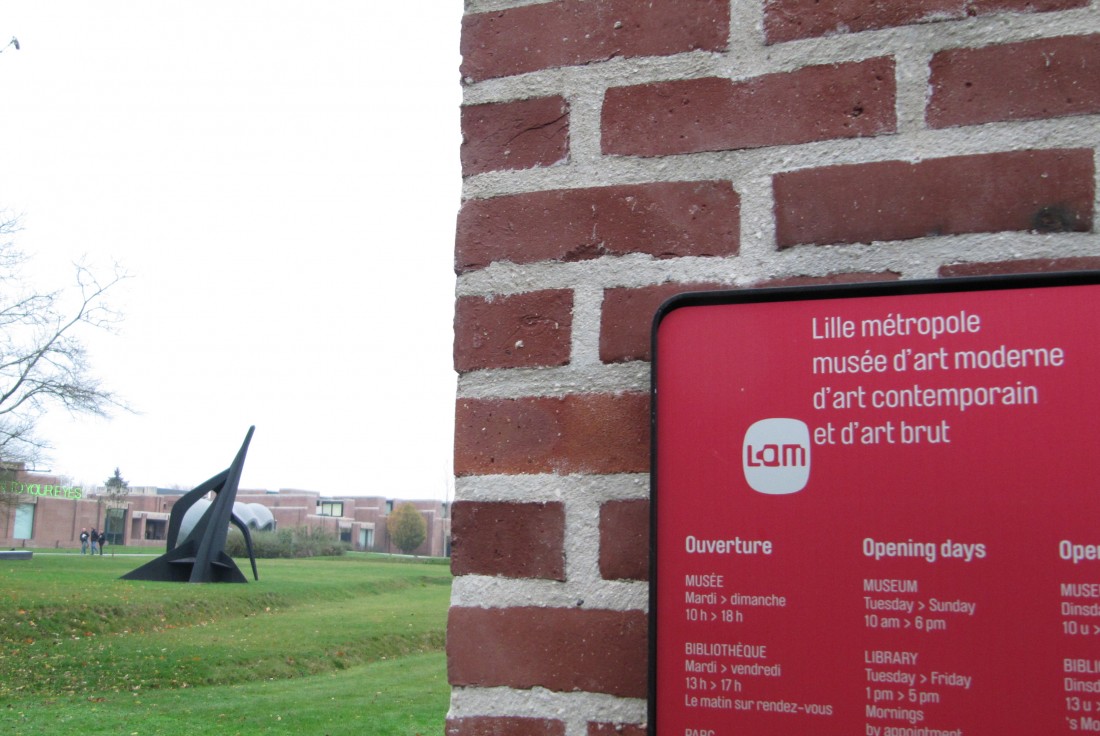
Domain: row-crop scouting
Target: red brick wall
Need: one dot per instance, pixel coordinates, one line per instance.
(617, 152)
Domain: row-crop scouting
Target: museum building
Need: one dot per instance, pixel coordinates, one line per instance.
(39, 511)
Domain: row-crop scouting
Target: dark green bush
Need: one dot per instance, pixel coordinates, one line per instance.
(302, 541)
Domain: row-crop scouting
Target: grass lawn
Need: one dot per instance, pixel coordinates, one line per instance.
(349, 645)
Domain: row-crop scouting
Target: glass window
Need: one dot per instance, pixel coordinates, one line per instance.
(24, 521)
(156, 529)
(331, 508)
(115, 524)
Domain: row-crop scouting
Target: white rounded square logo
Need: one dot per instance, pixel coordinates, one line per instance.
(776, 456)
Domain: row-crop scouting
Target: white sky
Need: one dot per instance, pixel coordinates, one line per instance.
(281, 179)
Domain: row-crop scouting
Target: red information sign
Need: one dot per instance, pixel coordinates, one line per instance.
(877, 511)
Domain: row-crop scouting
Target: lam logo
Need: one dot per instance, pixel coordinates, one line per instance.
(776, 456)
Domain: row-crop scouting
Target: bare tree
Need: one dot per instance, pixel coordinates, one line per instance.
(8, 497)
(43, 363)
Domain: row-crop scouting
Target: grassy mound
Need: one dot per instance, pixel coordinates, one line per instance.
(72, 633)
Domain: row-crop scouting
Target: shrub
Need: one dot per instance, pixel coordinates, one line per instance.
(407, 528)
(302, 541)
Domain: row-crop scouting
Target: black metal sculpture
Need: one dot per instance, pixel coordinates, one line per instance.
(201, 557)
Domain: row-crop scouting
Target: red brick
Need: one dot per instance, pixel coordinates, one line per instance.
(624, 540)
(589, 433)
(560, 649)
(514, 135)
(1048, 78)
(504, 726)
(1047, 191)
(516, 540)
(665, 220)
(815, 103)
(1032, 265)
(616, 729)
(787, 20)
(626, 320)
(568, 32)
(517, 331)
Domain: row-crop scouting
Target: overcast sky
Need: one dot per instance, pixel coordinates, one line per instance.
(280, 178)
